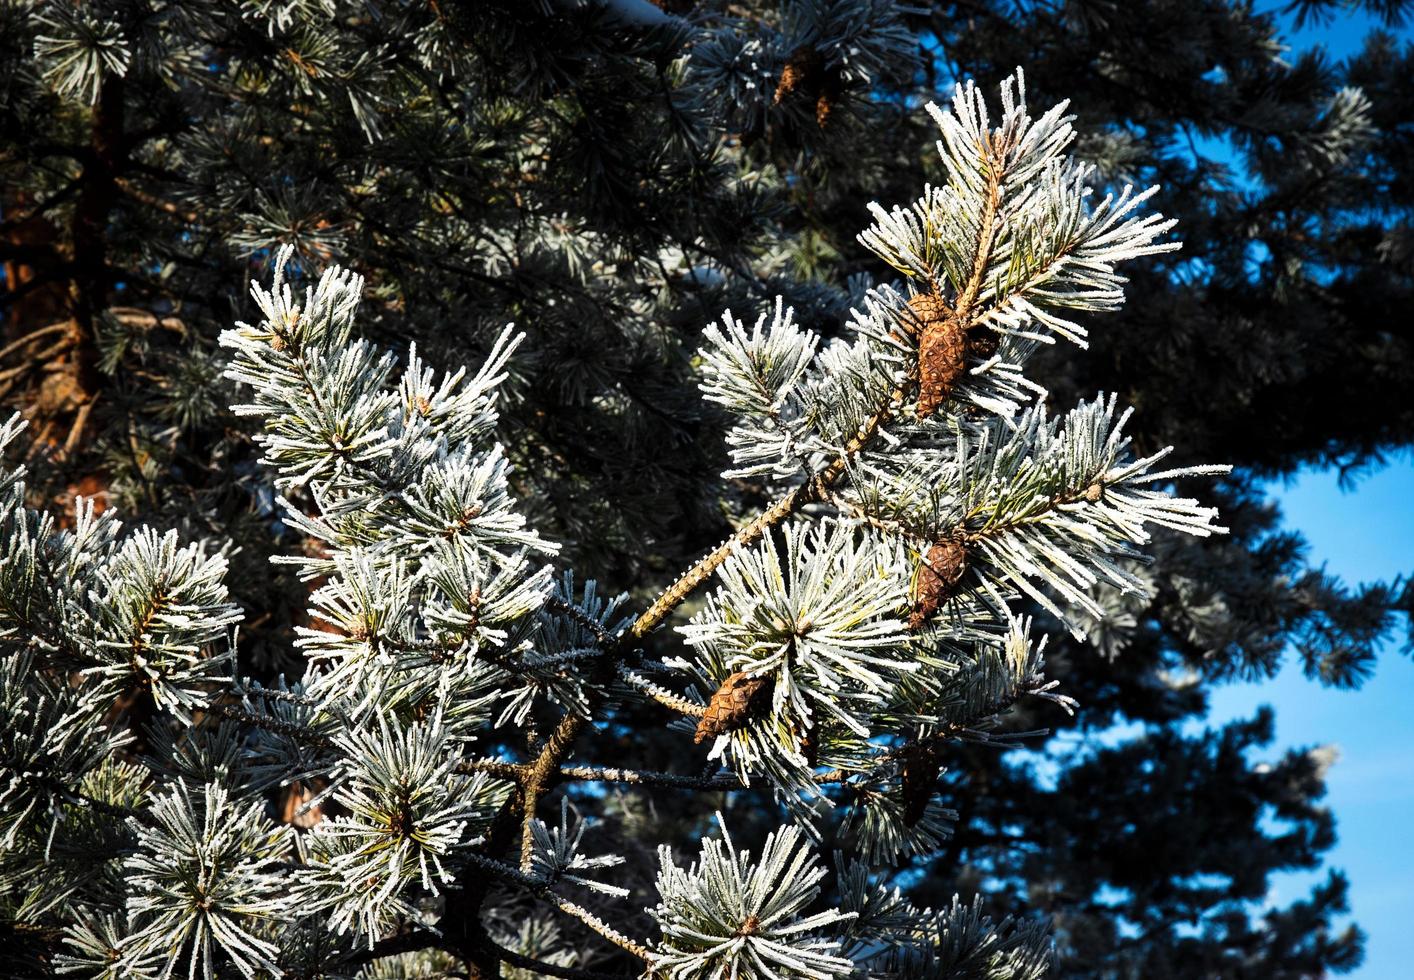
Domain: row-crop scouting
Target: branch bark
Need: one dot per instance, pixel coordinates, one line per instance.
(97, 196)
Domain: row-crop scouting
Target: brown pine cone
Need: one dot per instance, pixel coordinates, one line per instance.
(938, 575)
(802, 71)
(735, 703)
(942, 357)
(927, 309)
(942, 350)
(831, 89)
(805, 72)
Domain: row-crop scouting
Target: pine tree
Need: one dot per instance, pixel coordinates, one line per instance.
(1294, 206)
(610, 178)
(854, 627)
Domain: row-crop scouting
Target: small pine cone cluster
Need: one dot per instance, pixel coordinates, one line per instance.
(805, 72)
(939, 573)
(920, 770)
(739, 700)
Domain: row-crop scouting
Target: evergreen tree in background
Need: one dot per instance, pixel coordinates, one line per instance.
(610, 178)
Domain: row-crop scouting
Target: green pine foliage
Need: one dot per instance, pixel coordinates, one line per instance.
(434, 590)
(354, 588)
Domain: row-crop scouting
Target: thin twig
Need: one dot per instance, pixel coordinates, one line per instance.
(33, 335)
(406, 942)
(661, 694)
(540, 890)
(76, 798)
(858, 513)
(646, 777)
(131, 316)
(511, 771)
(153, 201)
(275, 694)
(270, 724)
(603, 636)
(75, 436)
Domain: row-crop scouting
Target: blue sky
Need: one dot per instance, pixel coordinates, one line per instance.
(1364, 534)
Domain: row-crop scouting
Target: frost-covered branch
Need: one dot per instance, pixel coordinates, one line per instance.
(917, 488)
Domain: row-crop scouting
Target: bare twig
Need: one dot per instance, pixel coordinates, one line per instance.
(35, 360)
(511, 771)
(71, 442)
(130, 316)
(646, 777)
(33, 335)
(153, 201)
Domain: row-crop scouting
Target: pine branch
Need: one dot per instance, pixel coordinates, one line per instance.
(646, 777)
(414, 940)
(816, 488)
(660, 694)
(571, 726)
(403, 942)
(540, 890)
(270, 724)
(987, 227)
